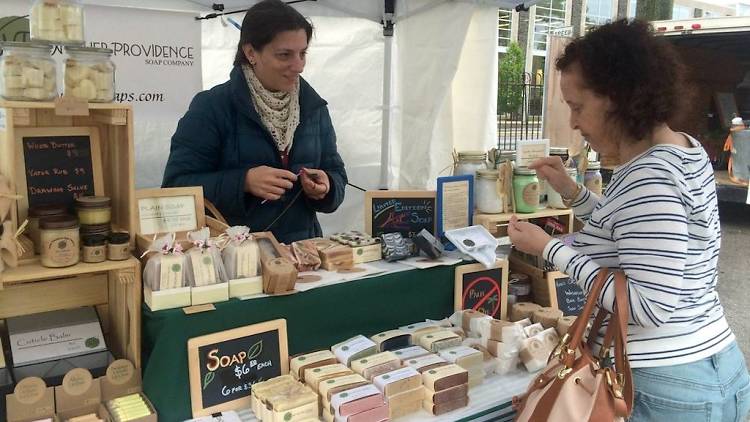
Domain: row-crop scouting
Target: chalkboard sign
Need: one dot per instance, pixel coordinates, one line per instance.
(57, 165)
(224, 366)
(405, 212)
(481, 289)
(570, 297)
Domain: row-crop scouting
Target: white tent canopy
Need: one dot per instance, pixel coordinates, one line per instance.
(400, 104)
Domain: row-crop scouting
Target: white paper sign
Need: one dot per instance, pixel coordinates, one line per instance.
(529, 150)
(167, 214)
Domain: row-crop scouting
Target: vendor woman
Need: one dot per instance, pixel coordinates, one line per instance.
(262, 144)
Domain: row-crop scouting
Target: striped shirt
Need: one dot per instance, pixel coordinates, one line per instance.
(658, 221)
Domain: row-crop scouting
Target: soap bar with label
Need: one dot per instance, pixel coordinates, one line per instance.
(464, 356)
(332, 386)
(398, 381)
(355, 348)
(445, 377)
(356, 400)
(447, 395)
(315, 376)
(391, 340)
(299, 364)
(439, 409)
(376, 364)
(262, 390)
(439, 340)
(427, 362)
(410, 352)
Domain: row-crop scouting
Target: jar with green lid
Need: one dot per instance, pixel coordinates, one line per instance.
(118, 248)
(554, 199)
(90, 74)
(60, 241)
(592, 179)
(94, 248)
(58, 21)
(28, 72)
(94, 210)
(487, 192)
(526, 190)
(38, 212)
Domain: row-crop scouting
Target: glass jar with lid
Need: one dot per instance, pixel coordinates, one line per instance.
(90, 74)
(592, 179)
(561, 152)
(38, 212)
(60, 241)
(468, 162)
(93, 210)
(487, 191)
(554, 199)
(525, 190)
(505, 155)
(28, 72)
(58, 21)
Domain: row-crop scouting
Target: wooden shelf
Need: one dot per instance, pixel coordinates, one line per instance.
(495, 222)
(35, 271)
(50, 104)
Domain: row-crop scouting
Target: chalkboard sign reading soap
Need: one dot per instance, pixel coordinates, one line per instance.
(224, 366)
(570, 297)
(405, 212)
(57, 165)
(481, 289)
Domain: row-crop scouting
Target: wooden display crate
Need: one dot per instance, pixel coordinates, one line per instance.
(113, 152)
(497, 224)
(113, 287)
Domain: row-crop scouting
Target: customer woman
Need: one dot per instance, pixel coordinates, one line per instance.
(262, 145)
(658, 221)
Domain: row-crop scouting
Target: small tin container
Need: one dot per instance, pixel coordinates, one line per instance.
(118, 248)
(94, 248)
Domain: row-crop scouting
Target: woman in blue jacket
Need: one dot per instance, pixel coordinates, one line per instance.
(262, 144)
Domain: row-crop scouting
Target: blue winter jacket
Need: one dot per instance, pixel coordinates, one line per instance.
(221, 137)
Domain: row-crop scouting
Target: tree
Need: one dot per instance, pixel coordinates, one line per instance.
(654, 10)
(510, 80)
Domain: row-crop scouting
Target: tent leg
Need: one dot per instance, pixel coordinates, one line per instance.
(385, 136)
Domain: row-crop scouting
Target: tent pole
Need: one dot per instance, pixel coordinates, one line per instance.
(389, 11)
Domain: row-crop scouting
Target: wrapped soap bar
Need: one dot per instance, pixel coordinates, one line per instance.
(166, 267)
(493, 329)
(465, 357)
(398, 381)
(391, 340)
(425, 363)
(548, 317)
(204, 264)
(410, 352)
(126, 408)
(315, 376)
(533, 329)
(523, 310)
(240, 254)
(523, 322)
(332, 386)
(439, 340)
(355, 348)
(299, 364)
(262, 390)
(306, 255)
(294, 402)
(446, 395)
(534, 353)
(428, 245)
(467, 316)
(376, 364)
(564, 324)
(356, 400)
(444, 377)
(420, 328)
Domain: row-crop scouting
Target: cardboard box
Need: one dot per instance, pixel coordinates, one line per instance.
(246, 286)
(122, 379)
(6, 387)
(167, 299)
(80, 394)
(53, 372)
(31, 400)
(54, 335)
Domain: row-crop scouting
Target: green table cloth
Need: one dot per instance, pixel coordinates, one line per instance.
(316, 319)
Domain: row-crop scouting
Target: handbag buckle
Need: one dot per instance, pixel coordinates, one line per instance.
(617, 384)
(562, 346)
(564, 371)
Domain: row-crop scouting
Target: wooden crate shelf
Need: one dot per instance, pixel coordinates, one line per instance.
(497, 223)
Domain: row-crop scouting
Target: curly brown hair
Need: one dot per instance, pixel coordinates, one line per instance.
(641, 74)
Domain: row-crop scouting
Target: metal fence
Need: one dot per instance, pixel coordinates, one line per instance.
(519, 111)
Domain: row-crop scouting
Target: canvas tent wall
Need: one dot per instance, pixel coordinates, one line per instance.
(443, 70)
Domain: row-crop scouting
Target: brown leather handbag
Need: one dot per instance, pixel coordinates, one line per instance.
(576, 386)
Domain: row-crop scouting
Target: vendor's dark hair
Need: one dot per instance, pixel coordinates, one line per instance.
(641, 74)
(264, 21)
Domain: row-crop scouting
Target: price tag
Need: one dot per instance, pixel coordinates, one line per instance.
(71, 106)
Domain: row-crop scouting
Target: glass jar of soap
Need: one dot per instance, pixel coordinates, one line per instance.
(468, 162)
(90, 74)
(554, 199)
(592, 179)
(94, 248)
(487, 192)
(118, 248)
(525, 190)
(38, 212)
(58, 21)
(28, 72)
(60, 241)
(93, 210)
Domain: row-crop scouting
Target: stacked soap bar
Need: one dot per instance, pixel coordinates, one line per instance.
(426, 362)
(468, 358)
(128, 408)
(90, 81)
(332, 386)
(535, 350)
(28, 78)
(395, 247)
(300, 364)
(315, 376)
(402, 389)
(374, 365)
(333, 255)
(446, 389)
(411, 352)
(57, 21)
(360, 404)
(283, 399)
(392, 340)
(355, 348)
(365, 248)
(438, 340)
(91, 417)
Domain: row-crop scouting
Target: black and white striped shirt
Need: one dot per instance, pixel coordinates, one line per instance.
(658, 221)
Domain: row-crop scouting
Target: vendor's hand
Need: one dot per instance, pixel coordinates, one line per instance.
(268, 183)
(315, 183)
(527, 237)
(552, 170)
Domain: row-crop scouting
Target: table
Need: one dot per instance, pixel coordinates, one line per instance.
(316, 319)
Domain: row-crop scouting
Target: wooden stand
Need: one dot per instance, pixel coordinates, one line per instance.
(113, 287)
(497, 224)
